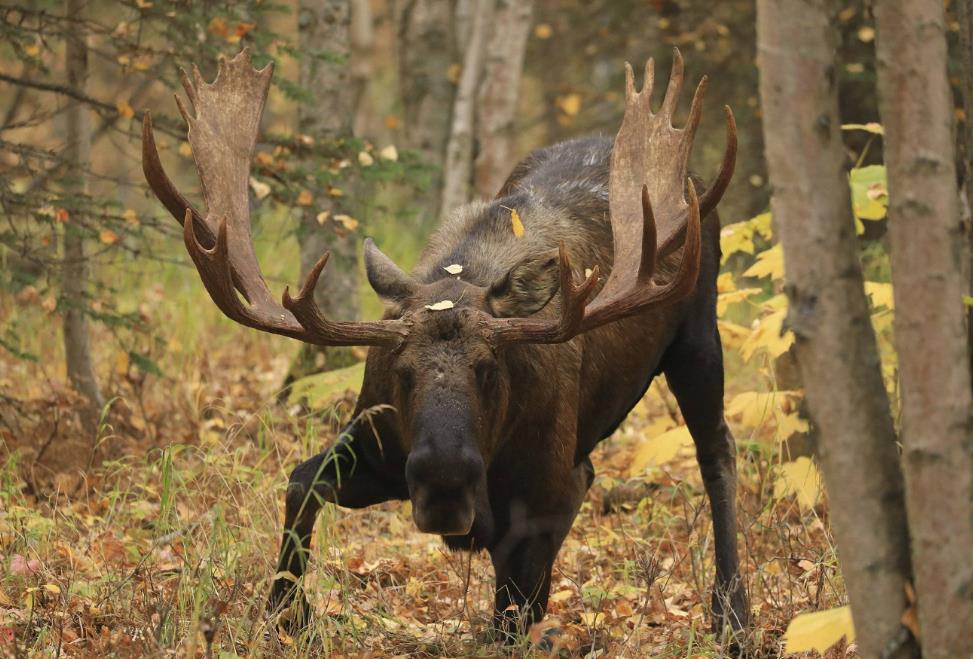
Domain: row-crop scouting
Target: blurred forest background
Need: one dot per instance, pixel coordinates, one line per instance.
(146, 439)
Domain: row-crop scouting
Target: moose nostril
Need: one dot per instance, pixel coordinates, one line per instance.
(444, 469)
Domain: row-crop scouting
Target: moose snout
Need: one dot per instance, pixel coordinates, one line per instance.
(442, 485)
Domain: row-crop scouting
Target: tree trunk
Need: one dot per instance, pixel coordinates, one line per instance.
(361, 41)
(497, 103)
(459, 151)
(828, 312)
(927, 250)
(77, 347)
(324, 24)
(425, 52)
(964, 13)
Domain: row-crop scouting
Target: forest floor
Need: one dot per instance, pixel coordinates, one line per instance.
(157, 535)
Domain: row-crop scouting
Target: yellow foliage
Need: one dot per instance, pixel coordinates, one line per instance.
(819, 630)
(659, 450)
(732, 297)
(739, 237)
(770, 263)
(768, 335)
(800, 478)
(880, 294)
(516, 224)
(755, 407)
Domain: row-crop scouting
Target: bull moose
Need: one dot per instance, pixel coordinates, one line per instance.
(493, 399)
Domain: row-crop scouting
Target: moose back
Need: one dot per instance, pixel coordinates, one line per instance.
(495, 384)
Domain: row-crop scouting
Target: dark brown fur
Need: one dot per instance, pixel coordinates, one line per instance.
(530, 413)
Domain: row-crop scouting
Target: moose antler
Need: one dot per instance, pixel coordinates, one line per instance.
(222, 130)
(650, 212)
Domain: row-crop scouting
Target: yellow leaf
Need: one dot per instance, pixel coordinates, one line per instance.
(592, 619)
(755, 407)
(789, 424)
(131, 217)
(323, 217)
(453, 269)
(334, 191)
(770, 263)
(441, 306)
(800, 478)
(260, 189)
(52, 588)
(880, 294)
(108, 237)
(562, 595)
(32, 50)
(659, 450)
(725, 283)
(570, 104)
(543, 31)
(768, 336)
(870, 127)
(305, 198)
(125, 109)
(819, 630)
(121, 362)
(726, 299)
(185, 150)
(389, 153)
(516, 224)
(347, 221)
(365, 159)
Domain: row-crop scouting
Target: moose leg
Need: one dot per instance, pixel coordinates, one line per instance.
(336, 476)
(524, 556)
(694, 371)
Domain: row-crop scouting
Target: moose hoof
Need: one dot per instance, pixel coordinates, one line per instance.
(290, 608)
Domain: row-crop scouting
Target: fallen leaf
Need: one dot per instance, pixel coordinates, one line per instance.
(365, 159)
(260, 189)
(819, 630)
(660, 450)
(131, 217)
(543, 31)
(125, 109)
(516, 224)
(61, 216)
(323, 217)
(441, 306)
(389, 153)
(305, 198)
(570, 104)
(108, 237)
(454, 269)
(185, 150)
(347, 221)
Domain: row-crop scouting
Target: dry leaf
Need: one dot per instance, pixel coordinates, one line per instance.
(185, 150)
(365, 159)
(131, 217)
(305, 198)
(454, 269)
(819, 630)
(260, 189)
(108, 237)
(516, 224)
(570, 104)
(323, 217)
(389, 153)
(441, 306)
(543, 31)
(61, 216)
(347, 221)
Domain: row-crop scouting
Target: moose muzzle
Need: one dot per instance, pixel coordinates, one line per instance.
(443, 482)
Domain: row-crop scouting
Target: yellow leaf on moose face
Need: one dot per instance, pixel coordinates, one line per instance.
(819, 630)
(800, 478)
(659, 450)
(516, 224)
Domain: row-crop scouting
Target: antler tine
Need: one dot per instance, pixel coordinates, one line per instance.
(713, 194)
(674, 89)
(163, 188)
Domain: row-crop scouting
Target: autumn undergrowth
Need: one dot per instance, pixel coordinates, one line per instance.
(155, 533)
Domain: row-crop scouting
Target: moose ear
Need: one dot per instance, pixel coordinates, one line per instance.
(386, 278)
(527, 287)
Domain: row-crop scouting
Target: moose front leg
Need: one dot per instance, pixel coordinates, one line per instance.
(523, 557)
(340, 476)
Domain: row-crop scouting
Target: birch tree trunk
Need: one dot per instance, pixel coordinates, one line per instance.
(458, 169)
(497, 103)
(74, 286)
(828, 312)
(425, 52)
(324, 25)
(928, 248)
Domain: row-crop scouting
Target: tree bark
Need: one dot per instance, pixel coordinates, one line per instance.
(964, 13)
(458, 172)
(324, 24)
(74, 286)
(828, 312)
(927, 249)
(497, 103)
(425, 52)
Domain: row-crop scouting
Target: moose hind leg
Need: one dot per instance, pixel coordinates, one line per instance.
(334, 476)
(694, 371)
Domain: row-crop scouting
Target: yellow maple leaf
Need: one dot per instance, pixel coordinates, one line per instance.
(880, 294)
(819, 630)
(800, 478)
(516, 224)
(660, 450)
(770, 263)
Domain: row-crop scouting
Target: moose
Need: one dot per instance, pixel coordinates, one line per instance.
(494, 385)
